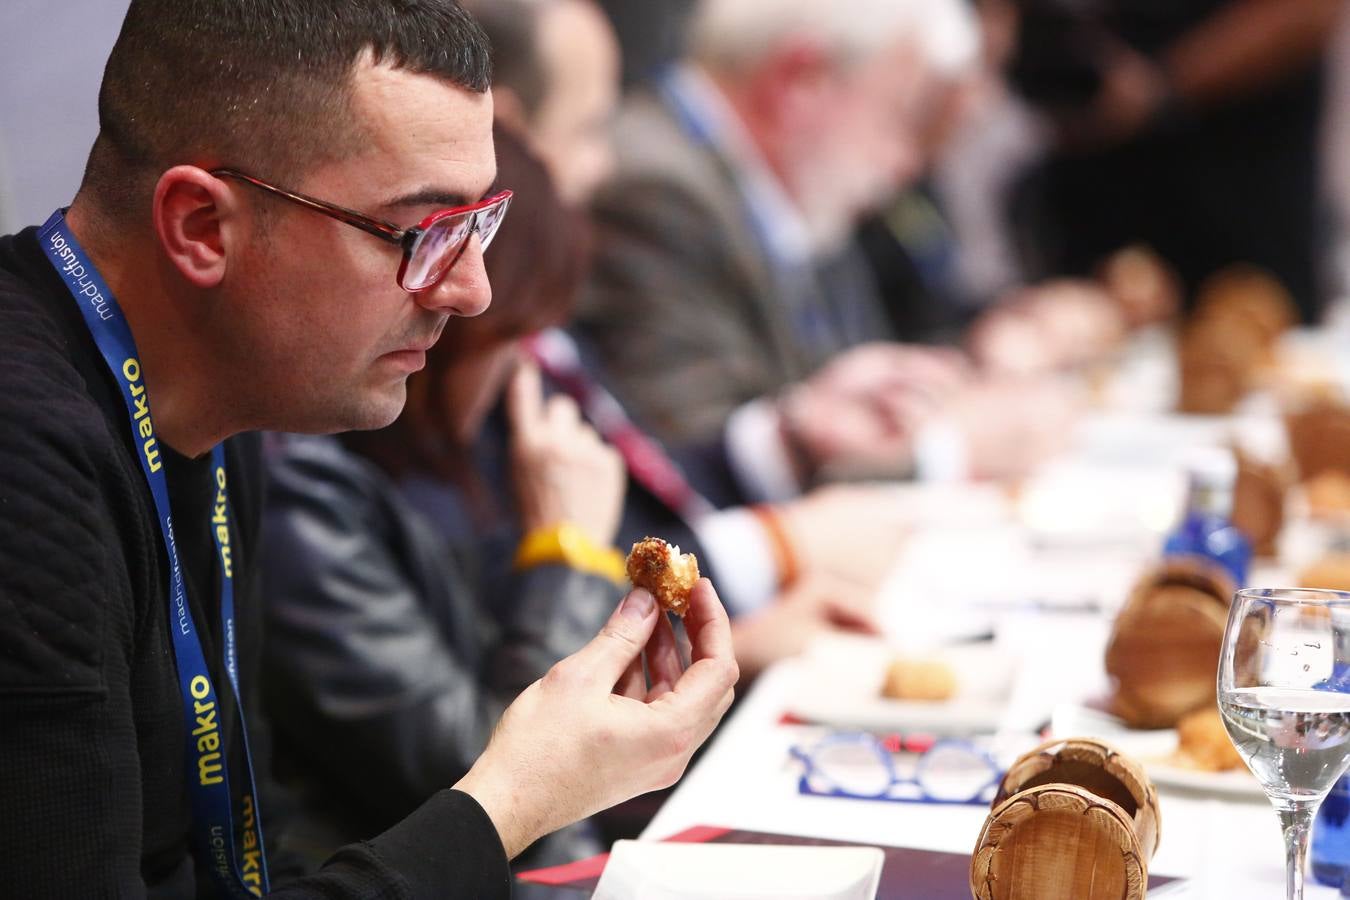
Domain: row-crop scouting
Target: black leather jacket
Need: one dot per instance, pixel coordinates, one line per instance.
(385, 668)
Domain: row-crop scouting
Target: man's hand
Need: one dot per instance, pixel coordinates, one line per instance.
(1134, 89)
(851, 534)
(1012, 426)
(562, 471)
(816, 605)
(594, 732)
(1057, 324)
(859, 413)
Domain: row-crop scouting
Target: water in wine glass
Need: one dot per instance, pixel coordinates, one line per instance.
(1296, 741)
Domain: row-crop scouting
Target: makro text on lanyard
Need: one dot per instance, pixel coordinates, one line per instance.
(238, 865)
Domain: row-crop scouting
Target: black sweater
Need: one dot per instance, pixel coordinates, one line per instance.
(91, 732)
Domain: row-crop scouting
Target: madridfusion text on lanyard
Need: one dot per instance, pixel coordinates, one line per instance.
(238, 863)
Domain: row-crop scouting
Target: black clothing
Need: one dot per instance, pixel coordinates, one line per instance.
(1235, 182)
(387, 663)
(912, 262)
(92, 758)
(652, 34)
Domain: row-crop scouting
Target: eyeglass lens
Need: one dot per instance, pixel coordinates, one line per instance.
(954, 772)
(441, 244)
(854, 766)
(489, 220)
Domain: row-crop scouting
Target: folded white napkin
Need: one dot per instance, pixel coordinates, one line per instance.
(642, 870)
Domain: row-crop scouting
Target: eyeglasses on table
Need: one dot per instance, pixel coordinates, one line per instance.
(861, 766)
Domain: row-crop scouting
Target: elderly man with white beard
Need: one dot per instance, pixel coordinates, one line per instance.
(728, 304)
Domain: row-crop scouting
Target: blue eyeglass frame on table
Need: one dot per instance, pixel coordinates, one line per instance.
(885, 758)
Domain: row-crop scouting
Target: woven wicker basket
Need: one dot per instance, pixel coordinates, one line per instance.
(1258, 503)
(1164, 648)
(1073, 820)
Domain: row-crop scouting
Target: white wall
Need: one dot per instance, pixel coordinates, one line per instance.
(51, 62)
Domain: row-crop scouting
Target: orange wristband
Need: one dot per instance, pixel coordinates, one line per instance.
(785, 557)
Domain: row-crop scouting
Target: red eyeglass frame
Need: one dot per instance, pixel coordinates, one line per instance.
(406, 238)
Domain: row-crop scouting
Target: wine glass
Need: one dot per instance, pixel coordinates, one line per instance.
(1284, 693)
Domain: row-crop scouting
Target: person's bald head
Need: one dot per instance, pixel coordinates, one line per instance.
(557, 83)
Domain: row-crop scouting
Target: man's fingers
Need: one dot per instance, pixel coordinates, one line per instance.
(562, 412)
(663, 659)
(686, 649)
(707, 623)
(633, 684)
(704, 691)
(708, 682)
(847, 618)
(525, 399)
(609, 654)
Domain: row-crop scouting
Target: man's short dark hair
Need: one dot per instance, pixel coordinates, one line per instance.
(262, 85)
(512, 27)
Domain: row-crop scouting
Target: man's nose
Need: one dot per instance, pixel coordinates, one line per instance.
(464, 290)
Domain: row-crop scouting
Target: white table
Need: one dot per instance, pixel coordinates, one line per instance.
(1230, 849)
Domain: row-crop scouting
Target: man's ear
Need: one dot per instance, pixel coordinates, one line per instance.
(191, 207)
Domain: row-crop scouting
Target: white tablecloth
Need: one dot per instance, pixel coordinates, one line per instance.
(1077, 536)
(1230, 849)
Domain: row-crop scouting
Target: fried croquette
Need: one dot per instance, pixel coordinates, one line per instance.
(919, 679)
(1204, 743)
(663, 570)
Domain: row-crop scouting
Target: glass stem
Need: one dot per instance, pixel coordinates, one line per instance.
(1296, 820)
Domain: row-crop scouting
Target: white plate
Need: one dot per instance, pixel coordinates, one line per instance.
(643, 870)
(1153, 749)
(1238, 783)
(841, 679)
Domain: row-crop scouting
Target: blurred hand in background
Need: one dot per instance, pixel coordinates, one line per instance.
(562, 471)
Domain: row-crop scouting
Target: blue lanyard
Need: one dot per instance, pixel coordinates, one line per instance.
(207, 756)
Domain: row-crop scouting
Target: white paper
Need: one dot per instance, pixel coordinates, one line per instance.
(641, 870)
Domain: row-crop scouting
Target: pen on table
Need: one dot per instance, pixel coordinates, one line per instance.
(1080, 607)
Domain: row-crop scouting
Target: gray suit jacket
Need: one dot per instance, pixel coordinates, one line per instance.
(686, 311)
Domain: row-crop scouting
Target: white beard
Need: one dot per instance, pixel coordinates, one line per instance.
(832, 202)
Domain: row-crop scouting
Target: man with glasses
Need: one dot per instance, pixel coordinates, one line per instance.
(215, 261)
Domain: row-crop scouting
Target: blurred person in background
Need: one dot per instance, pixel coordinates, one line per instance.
(651, 34)
(730, 308)
(940, 250)
(1190, 125)
(557, 82)
(922, 247)
(833, 546)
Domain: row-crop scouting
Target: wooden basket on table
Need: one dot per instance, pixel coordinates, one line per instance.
(1258, 503)
(1073, 820)
(1214, 367)
(1164, 647)
(1253, 297)
(1319, 439)
(1230, 343)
